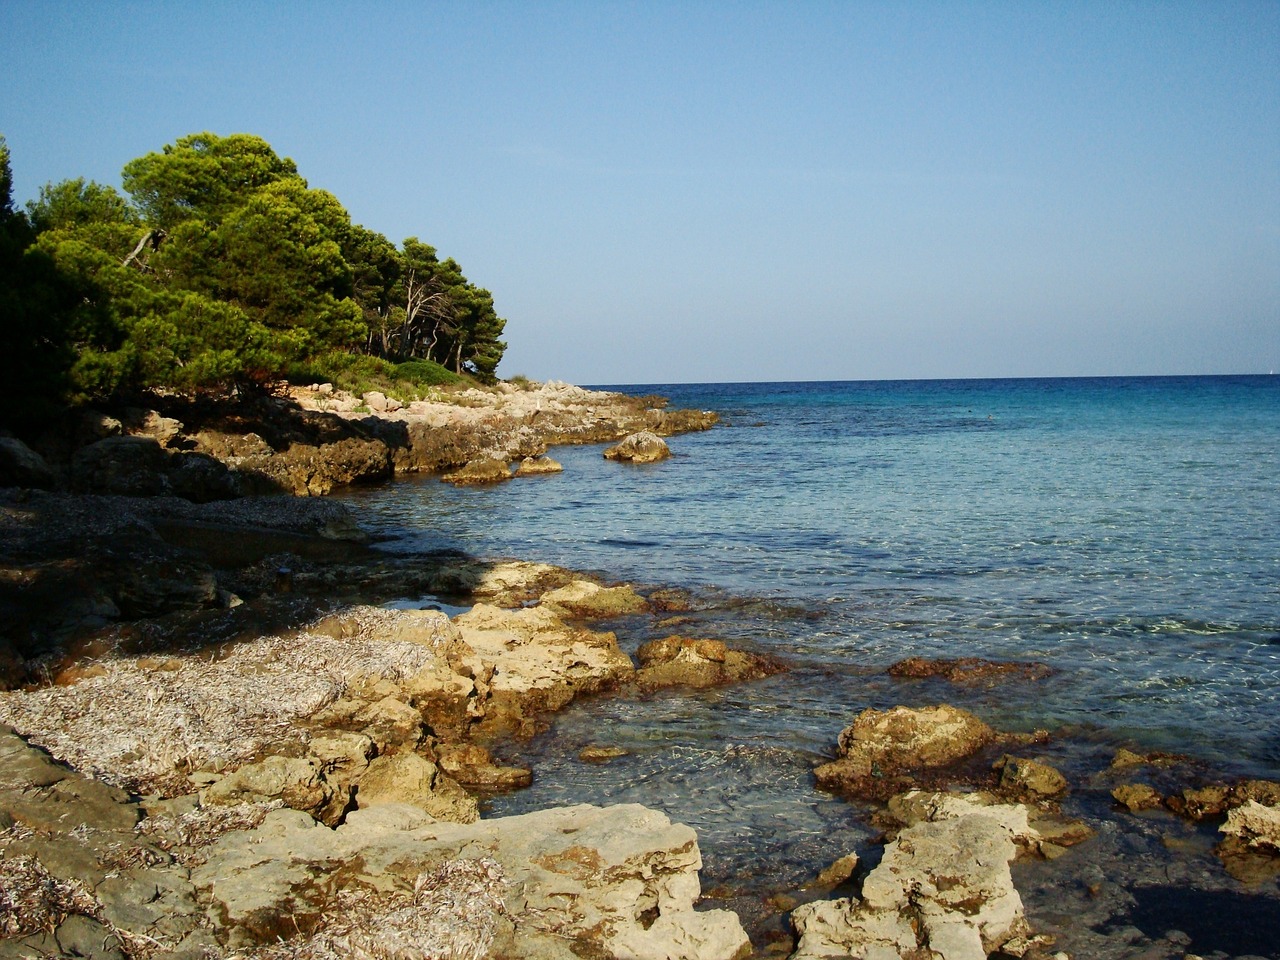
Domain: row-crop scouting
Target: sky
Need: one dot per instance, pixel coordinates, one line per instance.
(714, 191)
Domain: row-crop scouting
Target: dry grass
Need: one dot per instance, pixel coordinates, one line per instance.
(452, 914)
(32, 900)
(187, 836)
(145, 724)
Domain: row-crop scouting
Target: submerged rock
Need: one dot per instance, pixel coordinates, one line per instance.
(598, 754)
(1136, 797)
(968, 670)
(642, 447)
(1032, 780)
(682, 661)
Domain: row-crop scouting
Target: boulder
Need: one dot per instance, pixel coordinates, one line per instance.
(881, 747)
(682, 661)
(472, 765)
(642, 447)
(129, 466)
(478, 472)
(943, 888)
(1215, 799)
(150, 423)
(20, 466)
(1136, 797)
(1250, 848)
(607, 882)
(376, 401)
(582, 598)
(527, 662)
(138, 466)
(538, 466)
(1030, 780)
(300, 784)
(342, 756)
(408, 778)
(968, 670)
(1254, 825)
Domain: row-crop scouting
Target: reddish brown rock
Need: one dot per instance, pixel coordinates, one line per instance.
(1029, 780)
(881, 748)
(1137, 797)
(683, 661)
(967, 670)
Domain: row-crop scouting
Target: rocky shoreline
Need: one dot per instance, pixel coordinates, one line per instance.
(215, 742)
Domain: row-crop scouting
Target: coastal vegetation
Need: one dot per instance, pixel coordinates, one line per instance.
(220, 270)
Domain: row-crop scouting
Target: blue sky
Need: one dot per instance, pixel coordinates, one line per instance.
(707, 191)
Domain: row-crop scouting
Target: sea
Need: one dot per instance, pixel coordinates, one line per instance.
(1125, 531)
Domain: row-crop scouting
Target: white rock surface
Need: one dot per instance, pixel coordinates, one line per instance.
(943, 885)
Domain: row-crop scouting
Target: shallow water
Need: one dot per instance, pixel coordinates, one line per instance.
(1124, 531)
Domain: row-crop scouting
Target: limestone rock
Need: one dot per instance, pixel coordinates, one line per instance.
(943, 885)
(1216, 799)
(506, 583)
(598, 754)
(1029, 779)
(380, 403)
(150, 423)
(472, 765)
(642, 447)
(412, 779)
(968, 670)
(836, 873)
(527, 662)
(477, 472)
(581, 598)
(20, 466)
(131, 466)
(880, 746)
(300, 783)
(1255, 826)
(538, 466)
(681, 661)
(342, 756)
(1137, 797)
(609, 882)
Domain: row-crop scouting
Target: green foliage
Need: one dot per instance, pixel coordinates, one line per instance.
(36, 306)
(426, 373)
(360, 373)
(203, 176)
(78, 203)
(131, 334)
(224, 269)
(275, 258)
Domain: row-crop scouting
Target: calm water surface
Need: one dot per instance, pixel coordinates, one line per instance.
(1124, 531)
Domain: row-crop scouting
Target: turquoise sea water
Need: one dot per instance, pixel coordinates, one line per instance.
(1124, 531)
